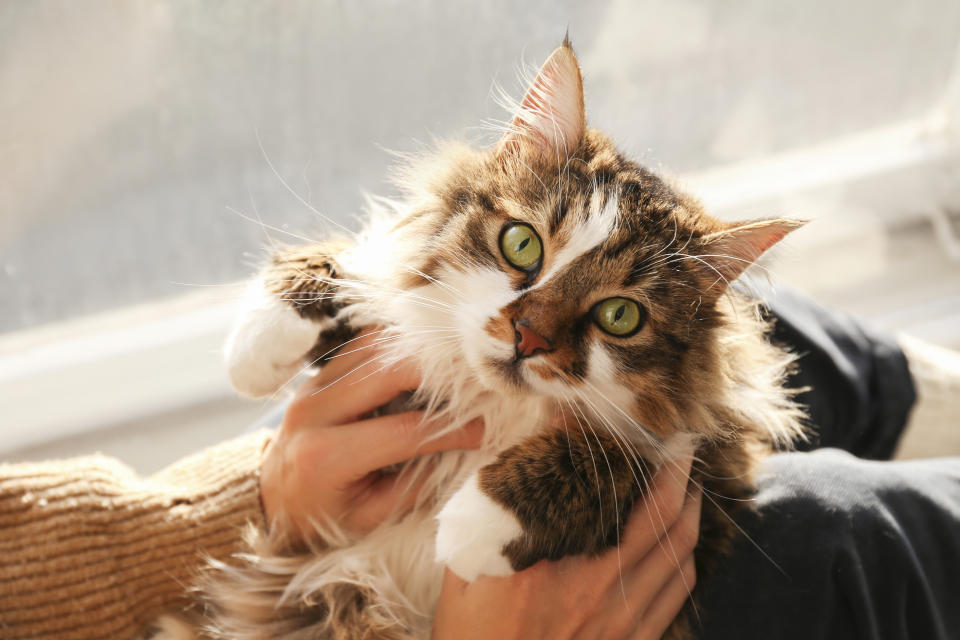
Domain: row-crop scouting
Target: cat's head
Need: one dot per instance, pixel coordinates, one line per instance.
(567, 270)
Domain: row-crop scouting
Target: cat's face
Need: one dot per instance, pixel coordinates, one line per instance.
(580, 284)
(578, 274)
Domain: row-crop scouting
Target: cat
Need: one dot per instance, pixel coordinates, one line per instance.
(577, 303)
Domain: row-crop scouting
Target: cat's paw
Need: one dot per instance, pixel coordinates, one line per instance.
(473, 532)
(267, 345)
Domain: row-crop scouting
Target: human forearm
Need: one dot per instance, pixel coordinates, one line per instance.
(88, 549)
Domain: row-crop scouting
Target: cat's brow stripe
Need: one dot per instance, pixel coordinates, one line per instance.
(563, 208)
(592, 230)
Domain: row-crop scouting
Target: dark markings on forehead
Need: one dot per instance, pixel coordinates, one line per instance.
(573, 180)
(636, 275)
(651, 217)
(563, 207)
(466, 197)
(619, 243)
(646, 199)
(605, 174)
(461, 197)
(485, 201)
(652, 259)
(475, 240)
(669, 264)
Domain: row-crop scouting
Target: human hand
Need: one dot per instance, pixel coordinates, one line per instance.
(325, 461)
(630, 593)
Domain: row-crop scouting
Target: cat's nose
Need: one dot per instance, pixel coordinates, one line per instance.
(528, 341)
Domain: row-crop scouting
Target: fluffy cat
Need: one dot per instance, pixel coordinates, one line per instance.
(570, 298)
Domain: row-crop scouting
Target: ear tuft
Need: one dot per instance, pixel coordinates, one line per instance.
(730, 251)
(550, 121)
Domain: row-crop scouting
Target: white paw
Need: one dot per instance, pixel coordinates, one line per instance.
(267, 345)
(473, 532)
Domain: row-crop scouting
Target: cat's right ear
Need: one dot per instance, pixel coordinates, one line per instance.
(727, 253)
(550, 121)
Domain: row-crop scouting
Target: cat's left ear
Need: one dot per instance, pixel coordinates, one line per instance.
(730, 251)
(550, 121)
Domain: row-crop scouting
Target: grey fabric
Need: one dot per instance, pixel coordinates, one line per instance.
(840, 546)
(843, 547)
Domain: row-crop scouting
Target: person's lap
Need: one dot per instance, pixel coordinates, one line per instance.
(840, 546)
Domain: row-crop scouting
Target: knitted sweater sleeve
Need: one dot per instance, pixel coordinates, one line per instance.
(90, 550)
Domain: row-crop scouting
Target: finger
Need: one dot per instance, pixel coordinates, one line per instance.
(386, 440)
(452, 581)
(667, 604)
(390, 497)
(449, 613)
(672, 551)
(658, 510)
(367, 386)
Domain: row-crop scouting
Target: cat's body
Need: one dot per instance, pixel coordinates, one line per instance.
(569, 298)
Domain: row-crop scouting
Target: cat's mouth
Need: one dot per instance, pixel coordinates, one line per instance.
(522, 375)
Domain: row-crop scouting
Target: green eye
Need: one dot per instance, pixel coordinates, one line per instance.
(619, 316)
(521, 246)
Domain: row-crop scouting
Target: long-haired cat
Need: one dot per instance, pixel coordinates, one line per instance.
(570, 298)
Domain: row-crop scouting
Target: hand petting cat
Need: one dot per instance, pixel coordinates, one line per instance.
(326, 460)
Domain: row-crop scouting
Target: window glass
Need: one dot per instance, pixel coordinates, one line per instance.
(142, 141)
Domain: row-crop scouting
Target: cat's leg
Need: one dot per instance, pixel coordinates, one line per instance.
(289, 318)
(554, 495)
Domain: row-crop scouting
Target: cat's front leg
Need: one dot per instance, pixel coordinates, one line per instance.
(554, 495)
(289, 314)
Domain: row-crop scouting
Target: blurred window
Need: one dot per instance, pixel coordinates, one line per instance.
(134, 132)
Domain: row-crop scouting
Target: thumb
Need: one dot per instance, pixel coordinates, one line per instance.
(452, 583)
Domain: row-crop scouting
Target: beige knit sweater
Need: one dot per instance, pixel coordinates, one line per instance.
(89, 550)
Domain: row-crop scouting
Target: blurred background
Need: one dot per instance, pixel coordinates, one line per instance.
(151, 152)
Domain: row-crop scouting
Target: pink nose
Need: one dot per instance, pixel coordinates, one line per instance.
(529, 342)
